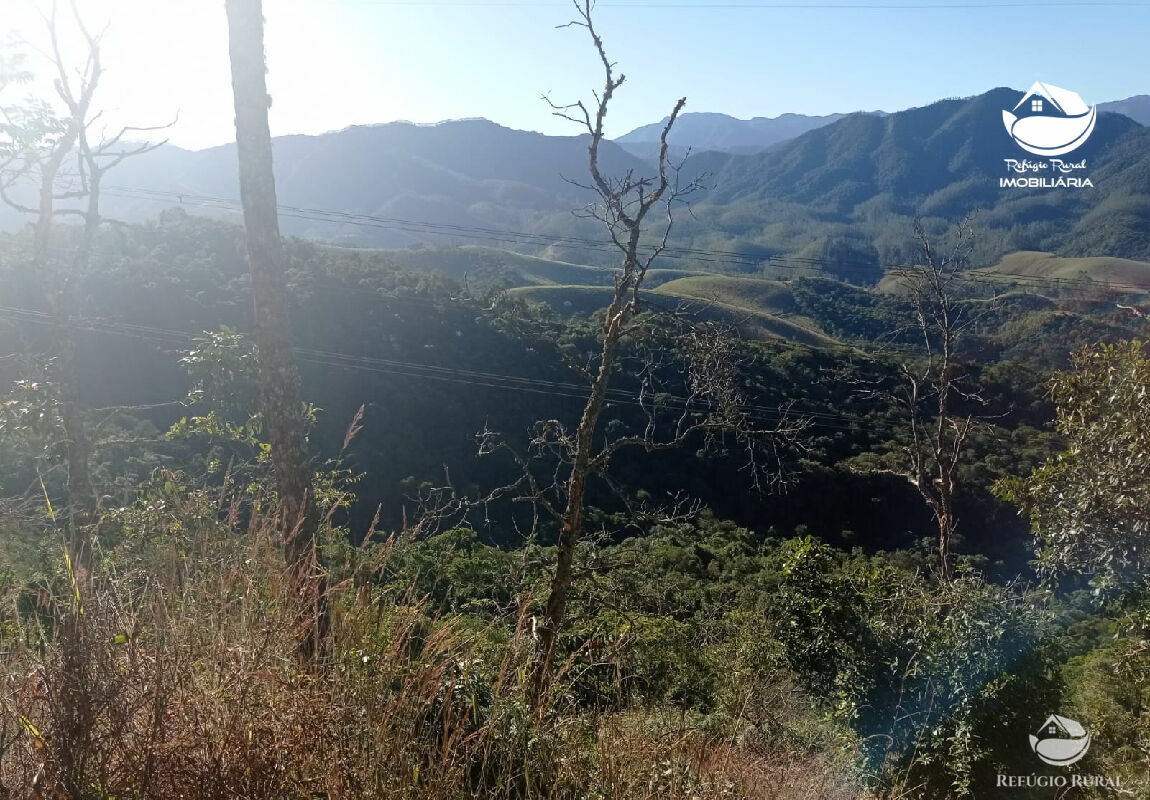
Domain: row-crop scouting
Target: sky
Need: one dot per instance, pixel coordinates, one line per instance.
(334, 63)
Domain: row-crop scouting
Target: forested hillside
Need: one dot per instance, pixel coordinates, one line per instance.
(433, 366)
(844, 194)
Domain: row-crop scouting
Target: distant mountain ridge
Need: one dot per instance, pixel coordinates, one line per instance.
(459, 176)
(846, 192)
(857, 185)
(1136, 108)
(702, 131)
(722, 132)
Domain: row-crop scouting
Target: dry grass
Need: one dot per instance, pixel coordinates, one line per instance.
(648, 758)
(187, 686)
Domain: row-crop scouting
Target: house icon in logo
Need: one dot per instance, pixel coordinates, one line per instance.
(1050, 121)
(1060, 741)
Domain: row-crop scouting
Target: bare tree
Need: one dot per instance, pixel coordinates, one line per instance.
(935, 389)
(283, 410)
(40, 139)
(638, 214)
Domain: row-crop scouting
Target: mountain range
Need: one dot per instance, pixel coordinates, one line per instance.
(711, 131)
(845, 192)
(1136, 107)
(856, 186)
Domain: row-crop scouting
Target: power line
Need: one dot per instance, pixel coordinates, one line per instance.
(493, 380)
(986, 277)
(484, 233)
(792, 263)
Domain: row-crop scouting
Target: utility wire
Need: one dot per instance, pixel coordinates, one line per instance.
(787, 263)
(493, 380)
(790, 263)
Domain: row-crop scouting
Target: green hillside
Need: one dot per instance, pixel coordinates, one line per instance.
(567, 300)
(761, 584)
(592, 291)
(1036, 264)
(543, 271)
(842, 193)
(485, 264)
(759, 312)
(523, 270)
(750, 293)
(1038, 271)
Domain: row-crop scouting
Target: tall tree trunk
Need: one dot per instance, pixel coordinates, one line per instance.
(81, 493)
(946, 527)
(279, 378)
(80, 505)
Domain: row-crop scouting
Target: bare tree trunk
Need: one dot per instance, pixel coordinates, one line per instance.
(623, 206)
(946, 527)
(938, 450)
(279, 378)
(81, 496)
(571, 529)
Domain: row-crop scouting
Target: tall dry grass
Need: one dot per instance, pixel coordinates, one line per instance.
(179, 679)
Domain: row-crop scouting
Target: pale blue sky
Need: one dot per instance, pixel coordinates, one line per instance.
(338, 62)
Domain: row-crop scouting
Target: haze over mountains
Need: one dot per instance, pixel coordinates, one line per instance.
(710, 131)
(1136, 107)
(722, 132)
(844, 191)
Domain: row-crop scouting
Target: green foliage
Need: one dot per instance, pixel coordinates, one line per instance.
(222, 368)
(640, 659)
(1087, 506)
(454, 571)
(1107, 689)
(168, 520)
(28, 414)
(926, 674)
(845, 311)
(29, 434)
(933, 683)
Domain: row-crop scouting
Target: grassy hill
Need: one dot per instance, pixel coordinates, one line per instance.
(523, 270)
(753, 294)
(479, 261)
(758, 308)
(567, 300)
(1032, 269)
(1036, 264)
